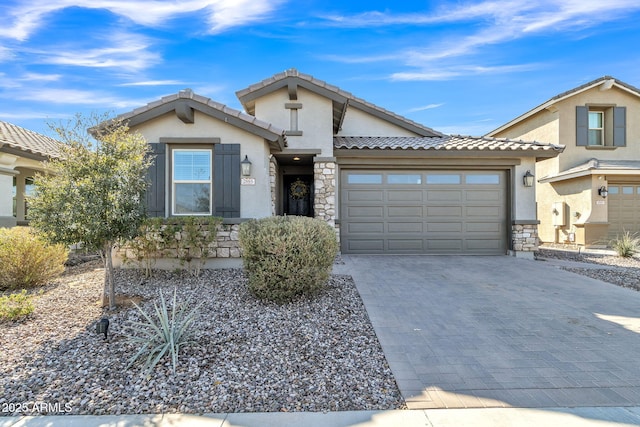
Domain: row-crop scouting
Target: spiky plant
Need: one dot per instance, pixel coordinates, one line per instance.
(164, 334)
(626, 245)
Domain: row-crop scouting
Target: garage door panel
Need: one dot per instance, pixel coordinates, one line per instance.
(444, 195)
(365, 211)
(404, 211)
(365, 195)
(404, 227)
(444, 211)
(623, 207)
(445, 245)
(365, 227)
(405, 196)
(483, 196)
(482, 227)
(365, 245)
(405, 245)
(450, 227)
(438, 212)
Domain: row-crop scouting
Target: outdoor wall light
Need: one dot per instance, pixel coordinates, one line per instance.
(102, 327)
(602, 191)
(527, 179)
(246, 166)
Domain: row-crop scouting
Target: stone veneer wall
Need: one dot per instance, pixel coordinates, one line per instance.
(524, 237)
(324, 204)
(273, 181)
(227, 243)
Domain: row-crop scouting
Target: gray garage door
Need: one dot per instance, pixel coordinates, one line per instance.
(435, 212)
(624, 205)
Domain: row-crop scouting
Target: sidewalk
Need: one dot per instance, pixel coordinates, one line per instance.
(498, 417)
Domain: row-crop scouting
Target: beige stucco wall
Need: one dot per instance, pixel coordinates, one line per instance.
(359, 123)
(315, 118)
(255, 200)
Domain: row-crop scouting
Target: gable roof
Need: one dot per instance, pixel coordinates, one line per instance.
(292, 79)
(451, 143)
(186, 101)
(596, 166)
(26, 143)
(606, 82)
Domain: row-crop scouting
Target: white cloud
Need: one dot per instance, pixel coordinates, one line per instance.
(477, 25)
(424, 107)
(154, 83)
(22, 19)
(123, 50)
(74, 97)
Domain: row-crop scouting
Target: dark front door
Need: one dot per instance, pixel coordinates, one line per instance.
(298, 191)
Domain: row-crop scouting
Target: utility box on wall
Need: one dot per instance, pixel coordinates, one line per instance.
(559, 214)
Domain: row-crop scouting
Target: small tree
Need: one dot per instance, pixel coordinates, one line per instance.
(94, 194)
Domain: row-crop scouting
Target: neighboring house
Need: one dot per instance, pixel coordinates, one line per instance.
(590, 193)
(21, 155)
(386, 183)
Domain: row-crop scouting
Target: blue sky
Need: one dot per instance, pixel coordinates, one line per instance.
(463, 67)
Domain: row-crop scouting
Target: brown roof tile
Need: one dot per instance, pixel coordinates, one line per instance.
(28, 141)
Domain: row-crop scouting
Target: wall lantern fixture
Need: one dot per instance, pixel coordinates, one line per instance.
(527, 179)
(602, 191)
(246, 166)
(102, 327)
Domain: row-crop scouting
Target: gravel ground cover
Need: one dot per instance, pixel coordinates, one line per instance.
(620, 271)
(310, 355)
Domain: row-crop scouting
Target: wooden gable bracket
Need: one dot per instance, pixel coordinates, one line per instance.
(293, 91)
(185, 112)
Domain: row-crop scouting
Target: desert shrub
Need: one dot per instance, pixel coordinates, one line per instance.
(626, 245)
(15, 306)
(287, 256)
(27, 260)
(162, 334)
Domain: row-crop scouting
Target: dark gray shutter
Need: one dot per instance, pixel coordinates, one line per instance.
(619, 126)
(226, 180)
(155, 197)
(582, 126)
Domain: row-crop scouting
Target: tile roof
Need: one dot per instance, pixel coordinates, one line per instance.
(443, 143)
(189, 94)
(342, 96)
(597, 166)
(22, 139)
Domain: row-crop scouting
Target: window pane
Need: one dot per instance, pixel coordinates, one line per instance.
(361, 178)
(404, 179)
(192, 165)
(482, 179)
(595, 137)
(192, 199)
(443, 179)
(613, 190)
(627, 190)
(595, 119)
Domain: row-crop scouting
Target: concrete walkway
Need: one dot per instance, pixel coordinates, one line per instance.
(499, 332)
(511, 417)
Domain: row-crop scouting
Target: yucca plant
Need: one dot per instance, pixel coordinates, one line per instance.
(163, 334)
(627, 245)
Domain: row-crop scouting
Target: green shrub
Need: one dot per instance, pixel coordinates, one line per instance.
(163, 334)
(26, 260)
(187, 238)
(15, 306)
(287, 256)
(626, 245)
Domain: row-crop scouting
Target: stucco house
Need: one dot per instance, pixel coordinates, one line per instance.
(305, 147)
(22, 153)
(590, 193)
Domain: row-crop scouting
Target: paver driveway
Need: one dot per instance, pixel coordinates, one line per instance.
(500, 331)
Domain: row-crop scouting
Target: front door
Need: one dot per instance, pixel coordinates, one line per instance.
(298, 195)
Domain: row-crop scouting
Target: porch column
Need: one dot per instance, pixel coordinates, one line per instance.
(324, 176)
(7, 172)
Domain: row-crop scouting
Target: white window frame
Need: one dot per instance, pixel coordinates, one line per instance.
(600, 129)
(181, 181)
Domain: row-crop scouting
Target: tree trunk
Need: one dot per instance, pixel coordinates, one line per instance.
(109, 293)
